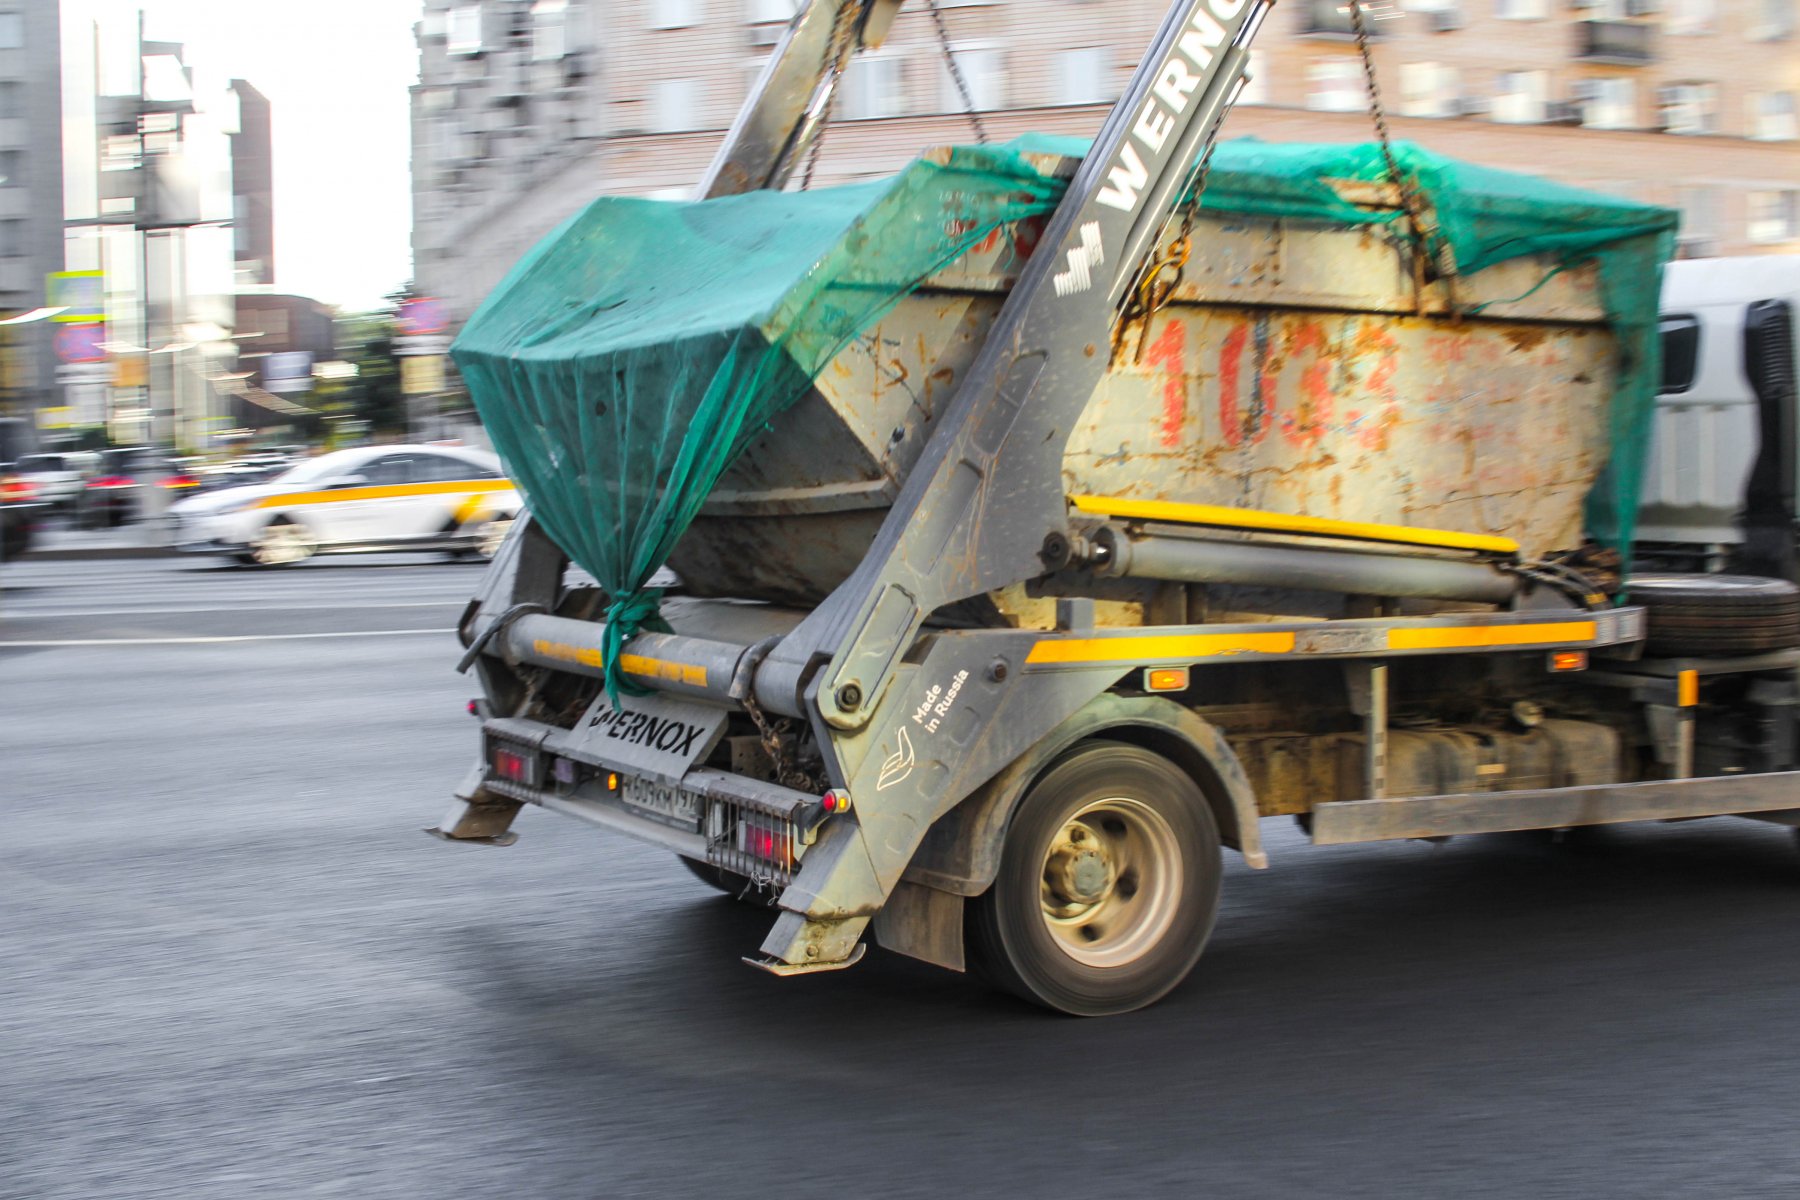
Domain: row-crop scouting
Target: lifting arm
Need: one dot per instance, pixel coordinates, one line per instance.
(910, 729)
(787, 108)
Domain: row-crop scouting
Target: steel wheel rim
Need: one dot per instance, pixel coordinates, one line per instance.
(279, 545)
(489, 536)
(1111, 882)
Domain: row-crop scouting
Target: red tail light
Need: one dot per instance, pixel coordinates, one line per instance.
(511, 766)
(14, 489)
(177, 482)
(770, 845)
(105, 482)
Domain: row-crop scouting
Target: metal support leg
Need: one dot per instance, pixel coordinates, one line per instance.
(1687, 699)
(1367, 682)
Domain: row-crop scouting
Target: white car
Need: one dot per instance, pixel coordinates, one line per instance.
(369, 498)
(58, 477)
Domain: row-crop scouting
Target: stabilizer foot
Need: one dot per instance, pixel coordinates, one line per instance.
(775, 966)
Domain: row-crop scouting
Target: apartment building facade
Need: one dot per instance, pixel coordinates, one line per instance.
(526, 109)
(31, 192)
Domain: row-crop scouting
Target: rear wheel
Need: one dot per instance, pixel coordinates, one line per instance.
(1108, 884)
(283, 542)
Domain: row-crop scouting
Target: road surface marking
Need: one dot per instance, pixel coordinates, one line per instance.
(249, 637)
(16, 614)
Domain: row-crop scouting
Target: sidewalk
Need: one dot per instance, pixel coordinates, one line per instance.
(141, 539)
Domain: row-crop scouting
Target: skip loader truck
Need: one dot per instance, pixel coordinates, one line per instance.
(1042, 518)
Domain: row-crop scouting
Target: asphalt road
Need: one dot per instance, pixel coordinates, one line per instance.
(231, 966)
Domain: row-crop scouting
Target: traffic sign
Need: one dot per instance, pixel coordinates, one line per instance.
(423, 315)
(81, 343)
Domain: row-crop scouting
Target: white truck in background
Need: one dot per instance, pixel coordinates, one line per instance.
(1719, 487)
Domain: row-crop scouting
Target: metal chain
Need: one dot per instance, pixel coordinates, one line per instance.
(1410, 201)
(1153, 290)
(769, 732)
(956, 74)
(841, 32)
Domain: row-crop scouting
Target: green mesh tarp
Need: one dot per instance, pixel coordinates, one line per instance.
(635, 352)
(629, 358)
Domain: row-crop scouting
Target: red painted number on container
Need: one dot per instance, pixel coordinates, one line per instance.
(1168, 353)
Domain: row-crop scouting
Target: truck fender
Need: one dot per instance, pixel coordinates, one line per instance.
(960, 855)
(961, 851)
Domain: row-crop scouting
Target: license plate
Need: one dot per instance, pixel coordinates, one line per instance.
(665, 802)
(657, 736)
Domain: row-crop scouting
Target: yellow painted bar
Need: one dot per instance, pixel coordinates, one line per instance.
(1250, 518)
(631, 664)
(1143, 649)
(1470, 637)
(1687, 685)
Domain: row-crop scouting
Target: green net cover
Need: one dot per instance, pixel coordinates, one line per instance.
(632, 354)
(635, 352)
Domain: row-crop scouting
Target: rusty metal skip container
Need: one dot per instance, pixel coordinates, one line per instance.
(1298, 369)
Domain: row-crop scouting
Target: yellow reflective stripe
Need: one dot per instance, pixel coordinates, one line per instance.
(1249, 518)
(1467, 637)
(631, 664)
(454, 487)
(1136, 649)
(662, 668)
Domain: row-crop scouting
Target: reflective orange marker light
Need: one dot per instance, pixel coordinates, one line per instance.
(612, 781)
(1687, 688)
(1166, 679)
(1569, 660)
(835, 801)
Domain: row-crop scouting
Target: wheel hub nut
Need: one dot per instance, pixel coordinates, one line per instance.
(1080, 875)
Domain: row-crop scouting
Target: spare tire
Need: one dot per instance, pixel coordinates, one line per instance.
(1717, 614)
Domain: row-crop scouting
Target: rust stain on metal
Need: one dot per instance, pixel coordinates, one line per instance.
(1525, 338)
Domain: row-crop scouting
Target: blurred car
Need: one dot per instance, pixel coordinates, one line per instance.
(20, 508)
(114, 493)
(121, 490)
(372, 498)
(59, 477)
(19, 503)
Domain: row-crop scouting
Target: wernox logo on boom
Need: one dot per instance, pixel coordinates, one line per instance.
(1177, 82)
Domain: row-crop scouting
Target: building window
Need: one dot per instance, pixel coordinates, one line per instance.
(672, 14)
(1689, 107)
(984, 68)
(1606, 103)
(1430, 89)
(1701, 221)
(1256, 80)
(1441, 16)
(1688, 18)
(1772, 117)
(549, 30)
(874, 86)
(759, 12)
(1774, 20)
(1336, 85)
(1520, 96)
(673, 103)
(1521, 10)
(12, 31)
(463, 31)
(1084, 76)
(1774, 215)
